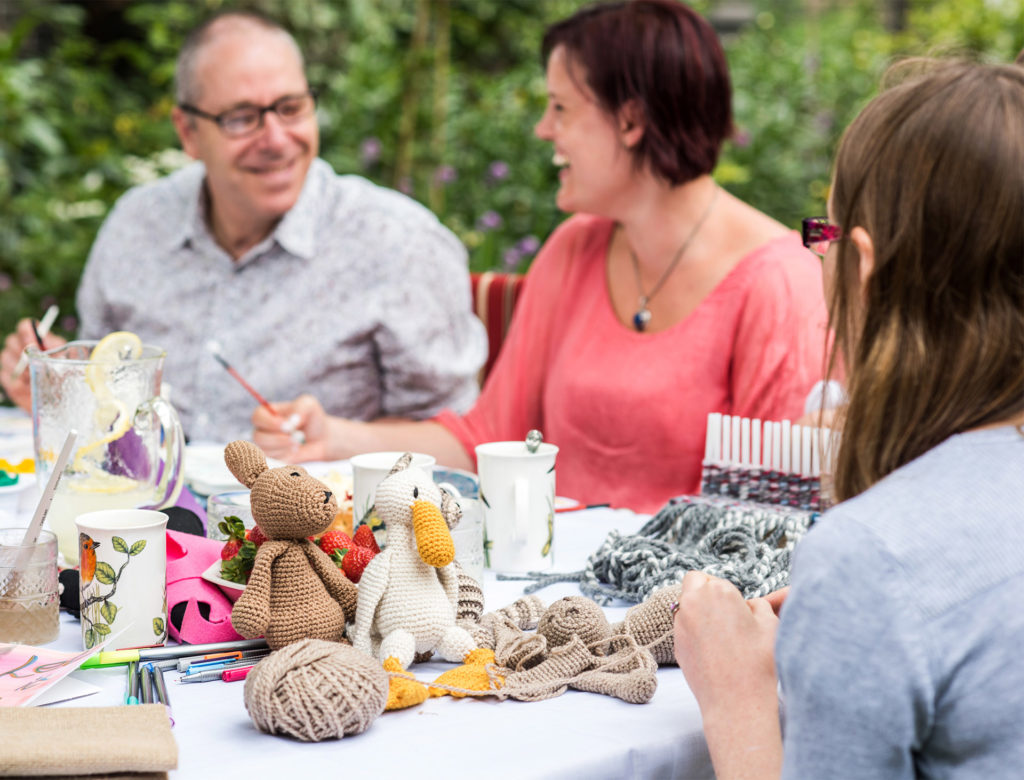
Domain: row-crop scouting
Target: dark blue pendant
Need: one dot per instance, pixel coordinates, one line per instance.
(640, 320)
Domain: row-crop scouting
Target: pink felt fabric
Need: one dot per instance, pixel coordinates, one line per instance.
(629, 410)
(188, 556)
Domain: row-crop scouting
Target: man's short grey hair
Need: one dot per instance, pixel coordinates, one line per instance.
(187, 88)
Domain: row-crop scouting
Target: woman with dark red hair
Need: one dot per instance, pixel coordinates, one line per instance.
(663, 299)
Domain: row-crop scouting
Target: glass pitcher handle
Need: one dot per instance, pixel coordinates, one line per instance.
(172, 475)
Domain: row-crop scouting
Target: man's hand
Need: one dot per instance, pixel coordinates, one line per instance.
(18, 388)
(276, 434)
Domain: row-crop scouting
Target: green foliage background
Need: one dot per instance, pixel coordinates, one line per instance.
(436, 97)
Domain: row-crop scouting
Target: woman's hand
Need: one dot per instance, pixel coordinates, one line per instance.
(299, 431)
(725, 647)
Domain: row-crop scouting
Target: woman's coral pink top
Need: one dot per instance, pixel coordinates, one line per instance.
(628, 410)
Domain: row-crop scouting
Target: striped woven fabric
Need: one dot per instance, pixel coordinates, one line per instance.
(494, 299)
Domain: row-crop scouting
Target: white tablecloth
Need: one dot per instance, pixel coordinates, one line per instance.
(576, 735)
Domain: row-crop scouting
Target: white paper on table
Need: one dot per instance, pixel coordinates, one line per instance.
(66, 689)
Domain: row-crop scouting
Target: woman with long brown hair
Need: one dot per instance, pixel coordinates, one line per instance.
(898, 647)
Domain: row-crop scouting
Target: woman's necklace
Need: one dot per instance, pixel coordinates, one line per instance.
(643, 314)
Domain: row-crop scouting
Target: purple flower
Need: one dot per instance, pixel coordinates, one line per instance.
(741, 139)
(370, 150)
(5, 282)
(489, 220)
(405, 185)
(69, 324)
(445, 174)
(528, 245)
(511, 258)
(498, 170)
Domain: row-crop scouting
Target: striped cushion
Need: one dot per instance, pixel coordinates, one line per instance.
(494, 299)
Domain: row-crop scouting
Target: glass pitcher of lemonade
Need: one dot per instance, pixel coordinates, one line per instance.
(130, 443)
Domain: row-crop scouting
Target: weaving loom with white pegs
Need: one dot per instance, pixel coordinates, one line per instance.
(770, 462)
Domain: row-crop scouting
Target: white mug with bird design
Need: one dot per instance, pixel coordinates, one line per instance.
(123, 577)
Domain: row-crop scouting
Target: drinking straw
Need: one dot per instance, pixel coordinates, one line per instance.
(32, 532)
(44, 328)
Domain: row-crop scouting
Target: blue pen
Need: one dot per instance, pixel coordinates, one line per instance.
(226, 663)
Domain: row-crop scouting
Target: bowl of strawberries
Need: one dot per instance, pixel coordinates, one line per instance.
(351, 554)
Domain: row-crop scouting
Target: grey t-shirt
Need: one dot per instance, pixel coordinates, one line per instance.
(901, 646)
(360, 296)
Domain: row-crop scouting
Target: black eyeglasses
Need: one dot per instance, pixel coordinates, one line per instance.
(818, 233)
(246, 120)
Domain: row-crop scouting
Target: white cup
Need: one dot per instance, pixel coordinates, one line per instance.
(368, 470)
(517, 491)
(468, 535)
(123, 576)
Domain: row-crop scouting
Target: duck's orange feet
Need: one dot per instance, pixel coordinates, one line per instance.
(471, 676)
(404, 691)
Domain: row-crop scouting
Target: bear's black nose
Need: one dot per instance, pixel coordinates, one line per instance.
(327, 496)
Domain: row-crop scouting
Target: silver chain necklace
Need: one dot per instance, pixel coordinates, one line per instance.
(643, 314)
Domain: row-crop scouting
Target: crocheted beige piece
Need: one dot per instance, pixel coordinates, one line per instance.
(314, 690)
(295, 591)
(569, 650)
(650, 624)
(574, 616)
(524, 613)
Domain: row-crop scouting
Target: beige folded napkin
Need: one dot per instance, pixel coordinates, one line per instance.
(77, 741)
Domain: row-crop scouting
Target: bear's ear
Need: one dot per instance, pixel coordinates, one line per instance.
(245, 460)
(401, 464)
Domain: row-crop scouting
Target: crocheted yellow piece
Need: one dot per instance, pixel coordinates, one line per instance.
(402, 691)
(472, 675)
(433, 541)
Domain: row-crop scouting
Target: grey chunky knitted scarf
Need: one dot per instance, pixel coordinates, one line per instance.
(748, 544)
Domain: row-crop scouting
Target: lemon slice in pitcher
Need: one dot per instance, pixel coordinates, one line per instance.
(111, 414)
(110, 350)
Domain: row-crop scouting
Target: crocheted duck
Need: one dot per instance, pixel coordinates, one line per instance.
(408, 594)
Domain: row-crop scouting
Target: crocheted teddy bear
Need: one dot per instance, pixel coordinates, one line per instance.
(295, 591)
(409, 592)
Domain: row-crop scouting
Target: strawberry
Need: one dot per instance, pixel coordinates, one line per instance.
(335, 540)
(355, 561)
(230, 549)
(364, 538)
(256, 535)
(238, 553)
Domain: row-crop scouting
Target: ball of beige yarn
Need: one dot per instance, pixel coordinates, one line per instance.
(314, 690)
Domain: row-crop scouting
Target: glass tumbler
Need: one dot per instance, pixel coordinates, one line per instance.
(29, 598)
(220, 505)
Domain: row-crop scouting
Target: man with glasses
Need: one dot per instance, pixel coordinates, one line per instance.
(308, 281)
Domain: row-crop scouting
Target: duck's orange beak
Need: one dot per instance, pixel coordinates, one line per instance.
(433, 541)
